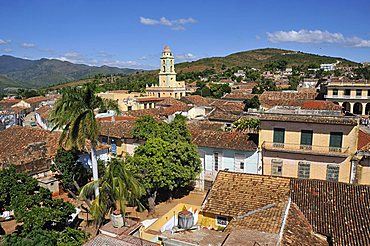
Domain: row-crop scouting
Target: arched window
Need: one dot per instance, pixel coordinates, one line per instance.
(164, 68)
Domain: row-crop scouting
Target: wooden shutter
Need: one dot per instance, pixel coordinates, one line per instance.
(279, 135)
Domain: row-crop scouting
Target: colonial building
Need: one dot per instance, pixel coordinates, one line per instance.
(353, 96)
(168, 86)
(309, 146)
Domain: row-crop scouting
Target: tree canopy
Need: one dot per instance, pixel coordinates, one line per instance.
(45, 221)
(168, 160)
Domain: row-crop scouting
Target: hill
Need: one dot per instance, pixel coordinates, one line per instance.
(18, 72)
(252, 58)
(258, 58)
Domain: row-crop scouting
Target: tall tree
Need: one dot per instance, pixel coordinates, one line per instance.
(74, 114)
(168, 160)
(117, 188)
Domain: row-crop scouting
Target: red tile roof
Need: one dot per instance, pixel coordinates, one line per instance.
(44, 111)
(37, 99)
(335, 209)
(363, 140)
(224, 140)
(269, 99)
(117, 129)
(196, 100)
(320, 105)
(21, 145)
(148, 99)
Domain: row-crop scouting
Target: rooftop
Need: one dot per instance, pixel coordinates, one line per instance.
(26, 144)
(235, 194)
(117, 129)
(269, 99)
(224, 140)
(318, 119)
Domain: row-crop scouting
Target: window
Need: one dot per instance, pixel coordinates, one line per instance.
(104, 140)
(335, 92)
(221, 221)
(306, 139)
(368, 93)
(358, 92)
(276, 167)
(145, 106)
(216, 161)
(332, 172)
(347, 92)
(239, 162)
(303, 170)
(335, 144)
(279, 136)
(129, 108)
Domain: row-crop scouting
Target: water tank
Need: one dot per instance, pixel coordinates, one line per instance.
(186, 220)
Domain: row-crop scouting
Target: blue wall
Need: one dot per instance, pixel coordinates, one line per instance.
(227, 159)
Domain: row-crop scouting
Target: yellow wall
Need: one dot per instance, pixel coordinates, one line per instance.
(156, 226)
(209, 220)
(321, 138)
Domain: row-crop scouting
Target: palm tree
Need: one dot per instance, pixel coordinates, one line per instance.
(74, 113)
(117, 188)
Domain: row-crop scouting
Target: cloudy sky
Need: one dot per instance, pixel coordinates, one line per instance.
(133, 33)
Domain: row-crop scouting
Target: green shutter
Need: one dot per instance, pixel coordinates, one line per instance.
(306, 137)
(279, 135)
(336, 139)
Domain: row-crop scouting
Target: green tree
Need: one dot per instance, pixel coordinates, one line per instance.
(72, 173)
(168, 160)
(264, 85)
(74, 114)
(117, 188)
(251, 103)
(247, 124)
(43, 220)
(293, 82)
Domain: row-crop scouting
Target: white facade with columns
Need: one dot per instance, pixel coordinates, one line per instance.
(353, 96)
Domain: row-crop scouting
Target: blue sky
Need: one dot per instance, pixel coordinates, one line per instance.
(133, 33)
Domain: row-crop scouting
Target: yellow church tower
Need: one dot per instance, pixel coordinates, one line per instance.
(168, 86)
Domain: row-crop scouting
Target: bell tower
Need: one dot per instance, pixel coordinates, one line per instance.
(167, 74)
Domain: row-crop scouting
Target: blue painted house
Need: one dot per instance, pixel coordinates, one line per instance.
(232, 151)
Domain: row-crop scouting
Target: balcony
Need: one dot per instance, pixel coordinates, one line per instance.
(305, 149)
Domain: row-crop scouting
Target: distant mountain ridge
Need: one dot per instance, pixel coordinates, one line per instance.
(258, 58)
(18, 72)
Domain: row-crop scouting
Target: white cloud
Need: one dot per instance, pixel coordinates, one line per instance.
(177, 24)
(3, 41)
(102, 58)
(7, 50)
(185, 57)
(316, 36)
(28, 45)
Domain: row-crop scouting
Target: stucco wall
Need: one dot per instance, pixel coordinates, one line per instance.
(228, 159)
(320, 143)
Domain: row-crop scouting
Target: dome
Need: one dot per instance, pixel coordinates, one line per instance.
(167, 48)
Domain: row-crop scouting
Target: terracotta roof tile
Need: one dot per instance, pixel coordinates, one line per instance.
(335, 209)
(320, 105)
(221, 115)
(363, 140)
(37, 99)
(298, 231)
(235, 194)
(269, 99)
(224, 140)
(196, 100)
(339, 120)
(117, 129)
(22, 145)
(44, 111)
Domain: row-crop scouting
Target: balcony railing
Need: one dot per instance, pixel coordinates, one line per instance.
(300, 148)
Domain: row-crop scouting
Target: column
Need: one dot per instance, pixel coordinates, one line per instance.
(363, 108)
(351, 107)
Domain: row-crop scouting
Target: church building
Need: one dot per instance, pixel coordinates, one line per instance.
(168, 86)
